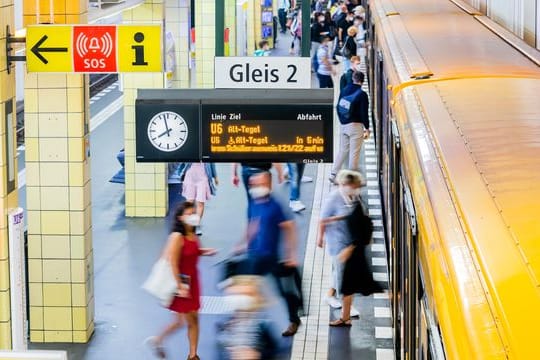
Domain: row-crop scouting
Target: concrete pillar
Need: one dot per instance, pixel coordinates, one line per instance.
(60, 257)
(8, 170)
(205, 34)
(252, 38)
(146, 184)
(230, 23)
(177, 22)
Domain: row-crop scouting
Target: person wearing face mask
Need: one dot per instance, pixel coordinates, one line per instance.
(333, 233)
(357, 275)
(325, 69)
(343, 24)
(199, 184)
(183, 251)
(319, 28)
(267, 220)
(346, 78)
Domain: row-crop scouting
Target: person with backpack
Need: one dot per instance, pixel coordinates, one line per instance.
(346, 78)
(352, 109)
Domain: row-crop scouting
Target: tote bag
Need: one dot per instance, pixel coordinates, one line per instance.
(161, 282)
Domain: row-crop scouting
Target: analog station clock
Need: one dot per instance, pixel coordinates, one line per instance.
(167, 131)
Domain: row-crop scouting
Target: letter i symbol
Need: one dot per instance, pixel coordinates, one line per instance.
(139, 49)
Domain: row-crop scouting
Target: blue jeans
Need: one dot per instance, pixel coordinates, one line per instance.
(296, 171)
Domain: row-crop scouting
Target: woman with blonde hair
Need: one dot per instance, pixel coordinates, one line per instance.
(349, 47)
(333, 232)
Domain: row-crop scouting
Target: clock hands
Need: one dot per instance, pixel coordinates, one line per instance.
(167, 132)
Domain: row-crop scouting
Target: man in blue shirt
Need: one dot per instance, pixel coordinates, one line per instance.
(354, 128)
(267, 221)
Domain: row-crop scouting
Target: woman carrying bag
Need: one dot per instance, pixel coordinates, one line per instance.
(349, 47)
(357, 276)
(182, 252)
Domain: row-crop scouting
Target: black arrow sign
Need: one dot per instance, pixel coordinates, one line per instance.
(37, 50)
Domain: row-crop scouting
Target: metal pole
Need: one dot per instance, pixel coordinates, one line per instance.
(220, 27)
(306, 28)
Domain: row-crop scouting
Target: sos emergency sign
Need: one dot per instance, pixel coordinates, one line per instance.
(94, 49)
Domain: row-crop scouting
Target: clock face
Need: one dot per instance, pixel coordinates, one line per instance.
(167, 131)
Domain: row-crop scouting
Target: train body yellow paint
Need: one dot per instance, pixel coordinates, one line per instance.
(457, 127)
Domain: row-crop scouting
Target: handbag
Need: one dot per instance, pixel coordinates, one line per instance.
(161, 282)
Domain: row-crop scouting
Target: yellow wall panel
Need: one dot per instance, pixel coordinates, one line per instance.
(33, 221)
(52, 100)
(5, 309)
(33, 196)
(36, 336)
(79, 294)
(56, 247)
(58, 336)
(54, 174)
(76, 198)
(34, 246)
(5, 335)
(35, 270)
(57, 294)
(36, 314)
(56, 271)
(54, 125)
(55, 222)
(54, 198)
(77, 247)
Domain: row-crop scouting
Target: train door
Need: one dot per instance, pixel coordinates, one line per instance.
(393, 245)
(409, 272)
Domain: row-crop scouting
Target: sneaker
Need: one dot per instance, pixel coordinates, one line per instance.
(307, 179)
(157, 350)
(333, 302)
(354, 312)
(291, 330)
(296, 205)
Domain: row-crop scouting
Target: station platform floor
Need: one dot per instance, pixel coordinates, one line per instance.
(126, 248)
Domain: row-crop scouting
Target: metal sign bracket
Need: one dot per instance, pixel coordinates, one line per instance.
(10, 39)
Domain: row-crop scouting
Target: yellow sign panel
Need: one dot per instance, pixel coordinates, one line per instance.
(94, 48)
(139, 48)
(48, 48)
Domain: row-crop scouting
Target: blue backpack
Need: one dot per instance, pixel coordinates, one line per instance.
(344, 106)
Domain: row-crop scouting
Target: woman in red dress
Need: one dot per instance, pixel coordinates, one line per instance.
(183, 253)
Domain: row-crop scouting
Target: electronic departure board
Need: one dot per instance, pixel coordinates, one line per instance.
(234, 125)
(288, 133)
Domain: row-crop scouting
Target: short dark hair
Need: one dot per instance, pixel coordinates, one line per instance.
(358, 77)
(262, 43)
(325, 37)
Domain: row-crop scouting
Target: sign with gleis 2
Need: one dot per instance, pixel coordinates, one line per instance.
(262, 72)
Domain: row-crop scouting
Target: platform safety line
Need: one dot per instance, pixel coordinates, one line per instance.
(106, 113)
(315, 280)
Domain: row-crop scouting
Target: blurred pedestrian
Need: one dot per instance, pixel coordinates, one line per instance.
(333, 232)
(352, 109)
(283, 8)
(325, 69)
(296, 173)
(267, 220)
(348, 50)
(296, 31)
(264, 49)
(183, 251)
(200, 181)
(249, 169)
(357, 276)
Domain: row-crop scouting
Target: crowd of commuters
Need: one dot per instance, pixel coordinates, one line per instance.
(337, 36)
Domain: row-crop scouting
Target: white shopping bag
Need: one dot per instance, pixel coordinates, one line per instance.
(161, 282)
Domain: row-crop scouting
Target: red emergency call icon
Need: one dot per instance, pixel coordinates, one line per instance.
(94, 49)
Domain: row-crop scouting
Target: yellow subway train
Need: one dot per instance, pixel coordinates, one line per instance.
(456, 112)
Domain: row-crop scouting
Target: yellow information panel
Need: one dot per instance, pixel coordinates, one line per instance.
(139, 47)
(48, 48)
(94, 48)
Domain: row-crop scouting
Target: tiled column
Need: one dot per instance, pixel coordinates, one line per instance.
(146, 184)
(177, 22)
(205, 32)
(230, 23)
(58, 194)
(8, 194)
(251, 36)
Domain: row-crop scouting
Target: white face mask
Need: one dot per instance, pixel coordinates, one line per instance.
(258, 192)
(192, 220)
(239, 302)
